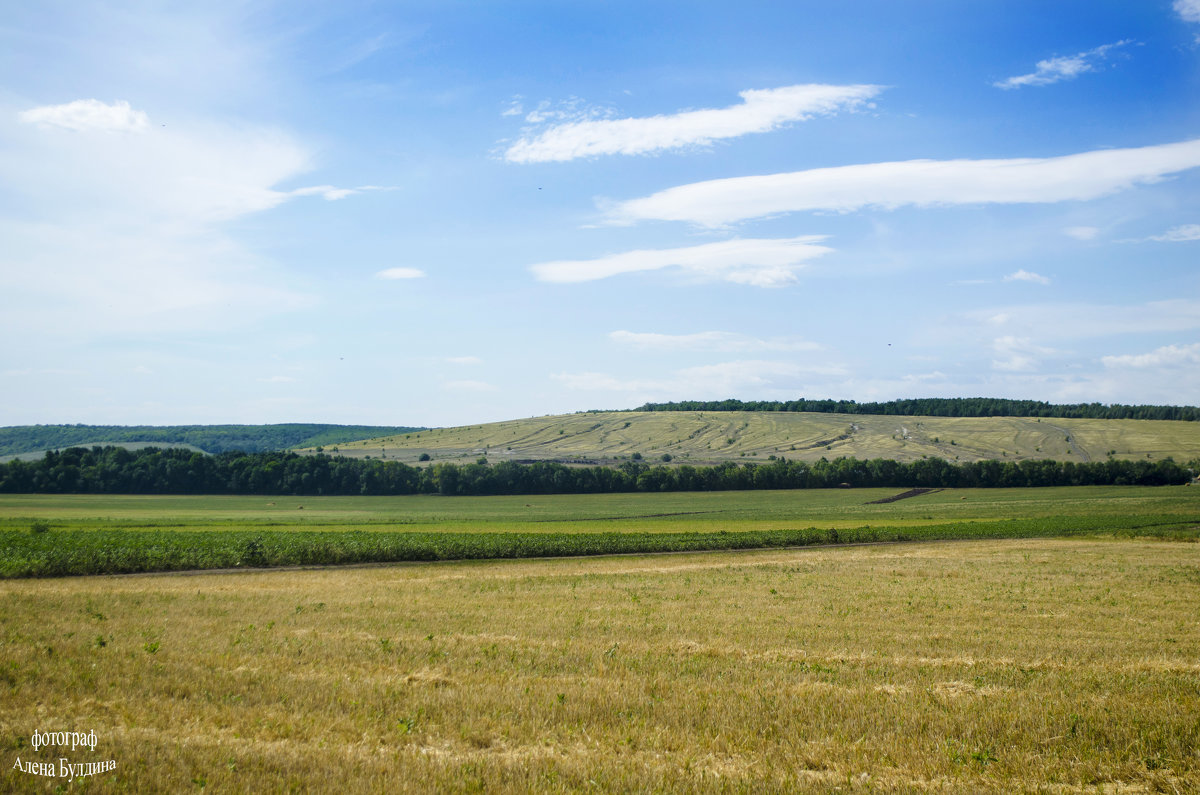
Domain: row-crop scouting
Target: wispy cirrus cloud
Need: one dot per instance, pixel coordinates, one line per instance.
(1081, 321)
(756, 262)
(721, 379)
(1026, 276)
(1083, 233)
(921, 183)
(761, 110)
(333, 193)
(719, 341)
(1063, 67)
(1019, 354)
(124, 221)
(1178, 234)
(1188, 10)
(1167, 356)
(400, 273)
(192, 173)
(88, 115)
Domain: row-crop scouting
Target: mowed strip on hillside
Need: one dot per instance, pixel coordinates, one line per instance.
(699, 438)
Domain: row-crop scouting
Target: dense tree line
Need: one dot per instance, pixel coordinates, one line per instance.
(210, 438)
(116, 470)
(944, 407)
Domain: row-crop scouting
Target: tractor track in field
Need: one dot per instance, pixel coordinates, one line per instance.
(1075, 448)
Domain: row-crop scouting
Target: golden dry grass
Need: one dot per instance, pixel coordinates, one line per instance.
(1053, 666)
(709, 437)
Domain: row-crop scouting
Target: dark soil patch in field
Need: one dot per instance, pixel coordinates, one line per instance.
(903, 496)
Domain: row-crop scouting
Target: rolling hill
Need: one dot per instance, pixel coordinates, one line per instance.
(33, 440)
(709, 437)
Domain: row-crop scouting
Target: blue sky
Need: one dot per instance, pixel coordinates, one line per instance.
(441, 213)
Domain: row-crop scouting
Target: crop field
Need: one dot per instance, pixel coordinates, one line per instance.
(50, 535)
(711, 437)
(1037, 665)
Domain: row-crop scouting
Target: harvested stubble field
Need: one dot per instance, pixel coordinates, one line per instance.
(1025, 665)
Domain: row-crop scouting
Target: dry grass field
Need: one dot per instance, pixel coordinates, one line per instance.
(990, 666)
(710, 437)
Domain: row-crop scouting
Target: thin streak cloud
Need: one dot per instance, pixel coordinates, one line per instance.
(1166, 356)
(761, 111)
(1178, 234)
(921, 183)
(401, 273)
(1063, 67)
(756, 262)
(721, 341)
(1026, 276)
(85, 115)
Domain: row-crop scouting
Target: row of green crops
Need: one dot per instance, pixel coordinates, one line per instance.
(65, 552)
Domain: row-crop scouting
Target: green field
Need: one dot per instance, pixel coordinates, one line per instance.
(48, 535)
(712, 437)
(701, 511)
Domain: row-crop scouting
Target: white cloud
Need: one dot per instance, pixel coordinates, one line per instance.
(761, 111)
(188, 174)
(123, 233)
(333, 193)
(572, 109)
(1063, 67)
(756, 262)
(1082, 232)
(400, 273)
(721, 341)
(1020, 354)
(1026, 276)
(923, 183)
(712, 380)
(1188, 10)
(1081, 321)
(278, 379)
(1179, 234)
(86, 115)
(464, 360)
(80, 280)
(1168, 356)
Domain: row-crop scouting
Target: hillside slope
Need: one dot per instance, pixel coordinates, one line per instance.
(698, 437)
(22, 440)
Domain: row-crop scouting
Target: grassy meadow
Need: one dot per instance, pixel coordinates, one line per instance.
(702, 511)
(54, 535)
(1036, 665)
(711, 437)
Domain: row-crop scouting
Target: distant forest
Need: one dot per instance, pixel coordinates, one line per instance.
(117, 470)
(209, 438)
(943, 407)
